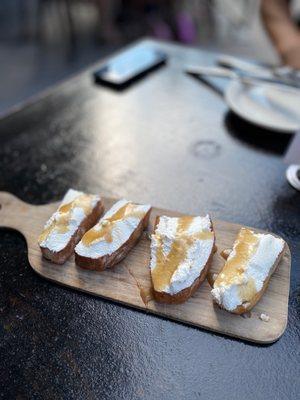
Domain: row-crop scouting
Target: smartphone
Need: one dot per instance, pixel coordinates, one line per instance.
(130, 65)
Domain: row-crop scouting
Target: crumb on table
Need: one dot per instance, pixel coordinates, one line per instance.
(264, 317)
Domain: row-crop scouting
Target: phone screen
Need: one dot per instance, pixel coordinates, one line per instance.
(130, 64)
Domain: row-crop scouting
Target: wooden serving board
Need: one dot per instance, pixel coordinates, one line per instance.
(129, 282)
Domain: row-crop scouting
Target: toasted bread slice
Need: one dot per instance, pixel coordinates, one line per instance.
(76, 214)
(109, 241)
(247, 271)
(181, 254)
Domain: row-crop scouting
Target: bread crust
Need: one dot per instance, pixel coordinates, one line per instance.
(60, 257)
(109, 260)
(247, 306)
(186, 293)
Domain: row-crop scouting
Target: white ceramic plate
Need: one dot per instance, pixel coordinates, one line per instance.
(270, 107)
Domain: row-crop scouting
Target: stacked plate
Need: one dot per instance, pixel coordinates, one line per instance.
(267, 97)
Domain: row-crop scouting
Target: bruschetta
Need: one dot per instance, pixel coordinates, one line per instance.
(181, 253)
(77, 213)
(247, 270)
(110, 240)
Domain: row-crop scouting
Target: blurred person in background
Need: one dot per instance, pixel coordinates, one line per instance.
(283, 30)
(165, 19)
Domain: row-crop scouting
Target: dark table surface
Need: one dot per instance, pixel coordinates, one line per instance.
(168, 140)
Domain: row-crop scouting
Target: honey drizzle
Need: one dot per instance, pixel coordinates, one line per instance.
(167, 264)
(234, 268)
(106, 225)
(61, 223)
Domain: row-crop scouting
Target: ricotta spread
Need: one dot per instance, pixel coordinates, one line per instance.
(113, 230)
(246, 268)
(180, 249)
(62, 225)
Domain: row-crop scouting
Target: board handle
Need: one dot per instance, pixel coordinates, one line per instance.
(13, 211)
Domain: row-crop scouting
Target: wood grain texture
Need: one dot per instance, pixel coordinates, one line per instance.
(129, 282)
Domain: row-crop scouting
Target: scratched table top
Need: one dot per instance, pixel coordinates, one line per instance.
(168, 140)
